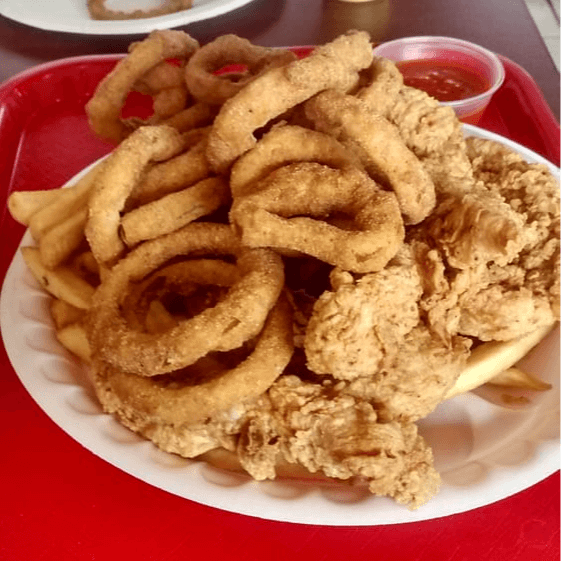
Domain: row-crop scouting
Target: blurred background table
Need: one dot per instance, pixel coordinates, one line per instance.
(504, 27)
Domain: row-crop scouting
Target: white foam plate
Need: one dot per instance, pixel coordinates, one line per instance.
(484, 452)
(71, 16)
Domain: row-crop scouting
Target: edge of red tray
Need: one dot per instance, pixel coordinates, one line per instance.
(531, 122)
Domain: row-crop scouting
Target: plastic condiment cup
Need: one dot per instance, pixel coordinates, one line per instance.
(459, 53)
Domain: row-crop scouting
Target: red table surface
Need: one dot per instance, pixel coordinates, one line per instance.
(61, 502)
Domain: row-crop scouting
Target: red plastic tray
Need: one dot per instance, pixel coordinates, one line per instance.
(60, 501)
(519, 111)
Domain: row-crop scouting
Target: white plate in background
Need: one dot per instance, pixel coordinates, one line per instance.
(72, 16)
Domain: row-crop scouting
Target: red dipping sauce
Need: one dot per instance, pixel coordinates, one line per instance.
(443, 80)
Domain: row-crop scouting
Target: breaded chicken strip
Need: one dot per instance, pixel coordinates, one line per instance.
(315, 426)
(359, 323)
(474, 224)
(371, 333)
(502, 313)
(416, 379)
(533, 192)
(509, 297)
(476, 228)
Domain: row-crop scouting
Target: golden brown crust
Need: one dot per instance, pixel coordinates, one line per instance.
(380, 147)
(223, 327)
(205, 76)
(104, 108)
(180, 402)
(287, 211)
(334, 65)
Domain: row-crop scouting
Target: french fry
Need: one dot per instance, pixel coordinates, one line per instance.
(60, 282)
(64, 313)
(490, 359)
(24, 204)
(69, 202)
(62, 240)
(73, 338)
(516, 378)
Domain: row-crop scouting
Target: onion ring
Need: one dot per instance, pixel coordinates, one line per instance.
(284, 145)
(181, 278)
(173, 211)
(197, 115)
(202, 72)
(134, 397)
(119, 175)
(334, 65)
(163, 178)
(383, 152)
(160, 77)
(165, 82)
(278, 216)
(168, 102)
(226, 326)
(104, 108)
(384, 81)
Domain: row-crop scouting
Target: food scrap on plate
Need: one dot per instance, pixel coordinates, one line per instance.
(293, 260)
(98, 10)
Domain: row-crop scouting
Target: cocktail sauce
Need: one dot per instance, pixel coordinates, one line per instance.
(443, 80)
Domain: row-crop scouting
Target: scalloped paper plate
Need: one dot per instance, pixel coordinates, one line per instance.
(71, 16)
(484, 452)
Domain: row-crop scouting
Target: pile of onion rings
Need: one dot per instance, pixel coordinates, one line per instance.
(185, 265)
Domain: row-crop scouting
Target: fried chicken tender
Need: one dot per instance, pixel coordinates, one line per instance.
(474, 224)
(511, 295)
(426, 125)
(533, 193)
(371, 333)
(354, 326)
(417, 378)
(340, 435)
(500, 313)
(477, 227)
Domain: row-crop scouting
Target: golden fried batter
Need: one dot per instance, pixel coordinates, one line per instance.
(356, 325)
(339, 435)
(371, 332)
(334, 65)
(380, 148)
(399, 245)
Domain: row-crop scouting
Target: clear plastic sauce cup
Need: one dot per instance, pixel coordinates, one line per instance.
(444, 66)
